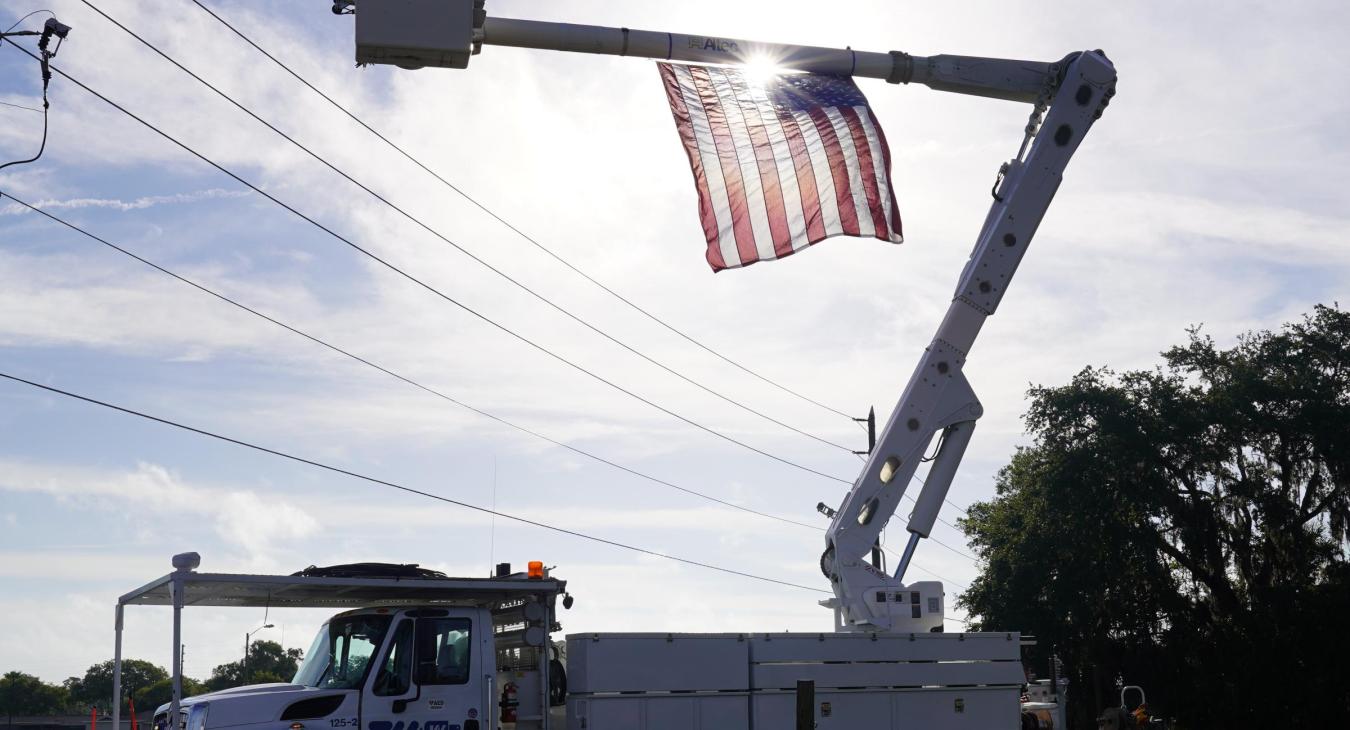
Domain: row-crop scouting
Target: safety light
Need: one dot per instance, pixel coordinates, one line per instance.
(536, 570)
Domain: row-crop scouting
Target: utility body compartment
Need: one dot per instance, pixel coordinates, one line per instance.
(749, 681)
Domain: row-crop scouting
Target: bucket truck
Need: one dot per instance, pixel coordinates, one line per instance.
(887, 664)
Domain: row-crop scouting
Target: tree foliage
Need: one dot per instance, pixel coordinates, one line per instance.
(1186, 528)
(24, 695)
(267, 662)
(150, 697)
(149, 685)
(95, 688)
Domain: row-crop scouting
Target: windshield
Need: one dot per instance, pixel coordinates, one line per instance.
(342, 652)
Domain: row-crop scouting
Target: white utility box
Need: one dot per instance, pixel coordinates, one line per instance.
(749, 681)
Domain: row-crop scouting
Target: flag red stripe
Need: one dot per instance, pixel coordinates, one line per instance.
(843, 195)
(866, 170)
(890, 184)
(806, 177)
(768, 172)
(685, 125)
(731, 166)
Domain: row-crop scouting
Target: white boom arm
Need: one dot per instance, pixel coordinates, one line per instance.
(417, 33)
(938, 398)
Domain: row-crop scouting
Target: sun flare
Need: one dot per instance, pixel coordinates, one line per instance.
(760, 68)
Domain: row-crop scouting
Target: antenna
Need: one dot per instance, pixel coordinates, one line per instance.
(492, 534)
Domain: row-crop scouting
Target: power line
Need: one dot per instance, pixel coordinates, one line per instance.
(460, 305)
(509, 225)
(346, 353)
(20, 106)
(939, 576)
(26, 17)
(436, 291)
(515, 282)
(500, 273)
(400, 487)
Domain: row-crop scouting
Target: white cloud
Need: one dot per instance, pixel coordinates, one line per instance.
(81, 564)
(1180, 227)
(245, 518)
(140, 203)
(242, 518)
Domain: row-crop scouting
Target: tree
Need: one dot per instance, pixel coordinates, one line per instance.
(25, 695)
(95, 688)
(1186, 528)
(152, 696)
(267, 662)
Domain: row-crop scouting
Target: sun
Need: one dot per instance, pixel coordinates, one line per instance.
(759, 68)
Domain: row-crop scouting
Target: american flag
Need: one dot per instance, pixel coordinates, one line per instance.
(781, 163)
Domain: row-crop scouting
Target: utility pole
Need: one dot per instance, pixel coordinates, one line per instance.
(247, 636)
(871, 422)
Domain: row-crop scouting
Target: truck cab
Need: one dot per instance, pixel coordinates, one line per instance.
(416, 650)
(379, 668)
(414, 669)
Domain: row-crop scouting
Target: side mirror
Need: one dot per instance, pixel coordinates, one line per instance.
(400, 706)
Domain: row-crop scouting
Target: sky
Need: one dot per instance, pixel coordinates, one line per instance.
(1212, 193)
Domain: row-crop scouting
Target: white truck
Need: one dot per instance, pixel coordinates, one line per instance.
(420, 651)
(438, 653)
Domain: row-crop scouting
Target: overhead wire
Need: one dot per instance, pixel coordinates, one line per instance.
(469, 310)
(405, 379)
(41, 148)
(437, 292)
(482, 262)
(469, 198)
(369, 363)
(400, 487)
(508, 224)
(916, 566)
(26, 17)
(21, 106)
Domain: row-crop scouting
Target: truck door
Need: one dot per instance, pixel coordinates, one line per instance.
(430, 677)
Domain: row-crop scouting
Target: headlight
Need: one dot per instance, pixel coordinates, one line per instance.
(197, 716)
